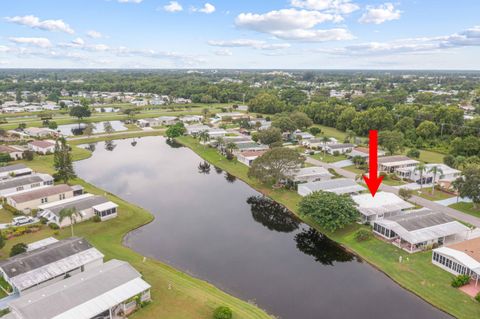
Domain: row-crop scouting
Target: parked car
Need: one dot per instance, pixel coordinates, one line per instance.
(21, 220)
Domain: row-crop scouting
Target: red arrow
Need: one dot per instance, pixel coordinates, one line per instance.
(373, 181)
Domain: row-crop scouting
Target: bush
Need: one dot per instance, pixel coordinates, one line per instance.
(53, 226)
(222, 313)
(363, 235)
(315, 131)
(28, 155)
(17, 249)
(460, 280)
(96, 219)
(477, 297)
(336, 153)
(413, 153)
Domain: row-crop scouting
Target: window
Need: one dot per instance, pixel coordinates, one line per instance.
(35, 185)
(61, 196)
(44, 200)
(20, 188)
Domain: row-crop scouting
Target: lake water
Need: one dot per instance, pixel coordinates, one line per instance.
(75, 129)
(220, 229)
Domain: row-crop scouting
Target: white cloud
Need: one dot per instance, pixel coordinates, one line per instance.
(4, 49)
(94, 34)
(78, 41)
(38, 42)
(293, 24)
(130, 1)
(256, 44)
(335, 6)
(35, 22)
(208, 8)
(466, 38)
(223, 52)
(383, 13)
(173, 6)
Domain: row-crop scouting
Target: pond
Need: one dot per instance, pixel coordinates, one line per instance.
(215, 227)
(99, 127)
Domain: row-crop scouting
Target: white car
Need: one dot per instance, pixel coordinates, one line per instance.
(21, 220)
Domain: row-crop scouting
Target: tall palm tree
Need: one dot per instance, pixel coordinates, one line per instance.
(204, 136)
(435, 170)
(71, 214)
(220, 143)
(325, 140)
(421, 168)
(351, 136)
(231, 146)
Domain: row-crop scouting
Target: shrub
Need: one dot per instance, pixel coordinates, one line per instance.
(18, 249)
(363, 235)
(477, 297)
(413, 153)
(336, 153)
(230, 156)
(315, 130)
(460, 280)
(96, 219)
(53, 226)
(222, 313)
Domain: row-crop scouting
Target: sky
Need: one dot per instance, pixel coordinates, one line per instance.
(242, 34)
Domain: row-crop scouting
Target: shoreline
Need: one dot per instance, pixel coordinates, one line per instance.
(185, 141)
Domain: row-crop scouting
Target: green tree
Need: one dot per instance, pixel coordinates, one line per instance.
(469, 184)
(358, 161)
(329, 210)
(176, 130)
(284, 123)
(80, 112)
(107, 127)
(5, 158)
(275, 165)
(71, 214)
(270, 136)
(427, 130)
(301, 120)
(414, 153)
(435, 170)
(204, 136)
(421, 169)
(89, 129)
(62, 161)
(293, 96)
(266, 103)
(18, 249)
(392, 141)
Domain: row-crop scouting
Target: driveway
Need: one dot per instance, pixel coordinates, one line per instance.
(414, 199)
(453, 200)
(343, 163)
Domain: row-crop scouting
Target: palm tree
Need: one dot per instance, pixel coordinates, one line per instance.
(358, 161)
(205, 112)
(325, 140)
(204, 136)
(70, 213)
(460, 162)
(421, 168)
(231, 146)
(220, 143)
(435, 170)
(351, 136)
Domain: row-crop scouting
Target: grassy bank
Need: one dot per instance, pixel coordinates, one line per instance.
(175, 294)
(416, 273)
(467, 208)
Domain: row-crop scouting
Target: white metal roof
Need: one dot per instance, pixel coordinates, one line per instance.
(41, 243)
(465, 259)
(424, 234)
(337, 186)
(382, 203)
(104, 206)
(52, 270)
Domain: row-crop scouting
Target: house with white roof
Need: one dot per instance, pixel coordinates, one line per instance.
(232, 115)
(50, 263)
(42, 146)
(108, 291)
(196, 129)
(364, 152)
(392, 164)
(15, 170)
(87, 206)
(338, 186)
(29, 200)
(39, 132)
(191, 118)
(20, 184)
(382, 205)
(247, 157)
(445, 173)
(462, 258)
(338, 148)
(310, 174)
(15, 152)
(420, 230)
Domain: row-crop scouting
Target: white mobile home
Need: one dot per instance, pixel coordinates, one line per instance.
(16, 185)
(338, 186)
(383, 205)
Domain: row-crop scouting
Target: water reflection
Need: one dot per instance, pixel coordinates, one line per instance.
(173, 143)
(317, 245)
(272, 215)
(91, 147)
(218, 170)
(204, 168)
(230, 178)
(110, 145)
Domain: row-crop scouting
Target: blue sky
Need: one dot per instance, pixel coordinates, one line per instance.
(320, 34)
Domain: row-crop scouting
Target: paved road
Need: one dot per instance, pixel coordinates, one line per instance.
(112, 134)
(414, 199)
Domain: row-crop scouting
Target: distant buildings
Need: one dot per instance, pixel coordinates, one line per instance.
(42, 146)
(392, 164)
(338, 186)
(15, 170)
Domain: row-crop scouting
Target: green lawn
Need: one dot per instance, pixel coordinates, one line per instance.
(332, 132)
(188, 298)
(416, 273)
(354, 169)
(467, 208)
(428, 156)
(5, 216)
(327, 158)
(437, 195)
